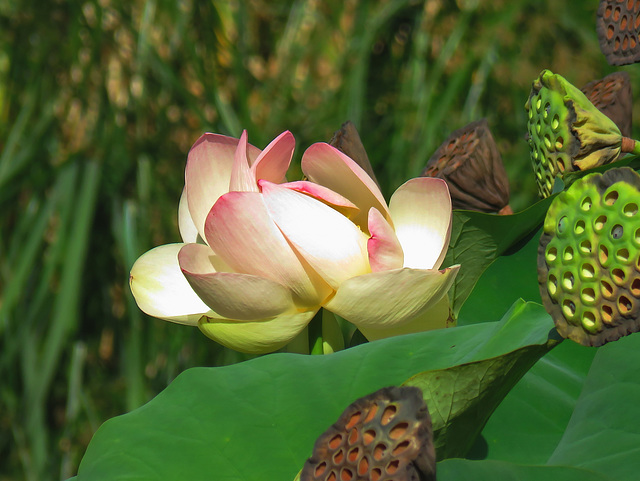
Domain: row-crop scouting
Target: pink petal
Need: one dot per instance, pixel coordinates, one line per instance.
(386, 299)
(272, 164)
(208, 174)
(237, 296)
(242, 177)
(383, 246)
(260, 336)
(421, 212)
(161, 290)
(240, 230)
(324, 195)
(328, 241)
(331, 168)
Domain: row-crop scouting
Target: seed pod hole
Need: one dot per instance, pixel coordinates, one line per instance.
(392, 467)
(353, 420)
(561, 166)
(618, 276)
(353, 436)
(320, 469)
(400, 448)
(624, 305)
(338, 457)
(567, 281)
(353, 454)
(552, 285)
(376, 474)
(622, 255)
(611, 197)
(555, 122)
(346, 474)
(630, 209)
(636, 236)
(588, 295)
(379, 451)
(606, 289)
(552, 254)
(585, 247)
(388, 414)
(568, 308)
(603, 254)
(589, 320)
(335, 441)
(363, 466)
(587, 271)
(600, 222)
(559, 143)
(579, 228)
(635, 287)
(547, 141)
(607, 313)
(567, 255)
(369, 436)
(616, 14)
(586, 204)
(332, 476)
(538, 104)
(398, 430)
(617, 231)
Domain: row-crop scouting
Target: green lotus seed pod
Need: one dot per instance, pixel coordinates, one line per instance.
(589, 258)
(566, 131)
(383, 436)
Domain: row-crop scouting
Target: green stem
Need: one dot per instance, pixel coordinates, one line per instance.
(315, 334)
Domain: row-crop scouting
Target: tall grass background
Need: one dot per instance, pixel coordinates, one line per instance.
(100, 102)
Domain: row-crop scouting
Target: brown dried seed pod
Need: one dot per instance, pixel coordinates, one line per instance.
(347, 140)
(612, 96)
(470, 163)
(383, 436)
(618, 27)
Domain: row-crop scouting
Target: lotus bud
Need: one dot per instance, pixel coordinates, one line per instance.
(612, 96)
(470, 163)
(347, 140)
(566, 132)
(385, 435)
(589, 258)
(618, 27)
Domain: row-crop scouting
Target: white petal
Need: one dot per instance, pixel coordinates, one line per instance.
(188, 230)
(161, 290)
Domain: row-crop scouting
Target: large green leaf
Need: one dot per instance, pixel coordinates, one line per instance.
(258, 420)
(477, 239)
(461, 469)
(604, 431)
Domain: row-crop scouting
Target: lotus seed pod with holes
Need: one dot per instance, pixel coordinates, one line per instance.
(566, 132)
(470, 163)
(618, 27)
(589, 258)
(612, 96)
(381, 437)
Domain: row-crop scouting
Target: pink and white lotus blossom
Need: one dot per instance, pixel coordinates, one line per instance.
(260, 256)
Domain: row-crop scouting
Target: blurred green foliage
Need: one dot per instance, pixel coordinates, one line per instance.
(100, 101)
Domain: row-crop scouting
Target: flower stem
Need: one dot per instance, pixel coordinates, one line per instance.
(630, 146)
(315, 334)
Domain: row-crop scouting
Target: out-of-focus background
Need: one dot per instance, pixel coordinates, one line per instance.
(100, 101)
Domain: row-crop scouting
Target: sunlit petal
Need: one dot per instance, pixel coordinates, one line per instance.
(161, 290)
(241, 231)
(381, 300)
(272, 164)
(324, 195)
(208, 173)
(437, 316)
(242, 177)
(327, 240)
(188, 230)
(329, 167)
(383, 246)
(257, 337)
(421, 212)
(236, 296)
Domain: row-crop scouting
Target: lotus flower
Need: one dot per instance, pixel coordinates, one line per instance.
(261, 257)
